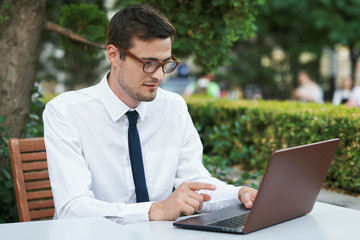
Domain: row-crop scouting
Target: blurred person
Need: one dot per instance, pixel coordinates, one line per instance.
(342, 95)
(204, 85)
(308, 90)
(354, 100)
(125, 149)
(253, 92)
(236, 93)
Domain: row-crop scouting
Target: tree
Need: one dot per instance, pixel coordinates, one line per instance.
(340, 21)
(207, 29)
(21, 31)
(296, 27)
(283, 26)
(19, 43)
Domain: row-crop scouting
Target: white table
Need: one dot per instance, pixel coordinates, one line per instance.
(324, 222)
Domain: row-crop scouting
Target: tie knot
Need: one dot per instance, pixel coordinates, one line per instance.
(133, 117)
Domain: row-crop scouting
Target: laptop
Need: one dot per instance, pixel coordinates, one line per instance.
(289, 189)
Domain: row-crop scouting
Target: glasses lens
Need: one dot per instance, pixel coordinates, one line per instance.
(150, 67)
(169, 67)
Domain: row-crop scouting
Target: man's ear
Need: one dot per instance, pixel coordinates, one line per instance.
(113, 53)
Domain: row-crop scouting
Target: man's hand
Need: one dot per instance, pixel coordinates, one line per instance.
(247, 196)
(184, 199)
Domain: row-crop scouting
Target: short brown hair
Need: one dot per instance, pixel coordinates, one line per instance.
(141, 21)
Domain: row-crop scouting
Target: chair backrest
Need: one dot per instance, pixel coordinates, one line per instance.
(31, 179)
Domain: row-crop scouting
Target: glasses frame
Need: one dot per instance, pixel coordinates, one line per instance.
(160, 64)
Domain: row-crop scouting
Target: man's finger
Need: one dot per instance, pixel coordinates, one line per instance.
(195, 186)
(206, 197)
(248, 204)
(247, 196)
(188, 209)
(195, 204)
(246, 201)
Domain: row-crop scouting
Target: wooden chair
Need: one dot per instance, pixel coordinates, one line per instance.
(31, 179)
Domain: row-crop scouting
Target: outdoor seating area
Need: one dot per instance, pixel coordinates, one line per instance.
(158, 119)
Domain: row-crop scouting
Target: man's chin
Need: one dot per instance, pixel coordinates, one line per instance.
(148, 98)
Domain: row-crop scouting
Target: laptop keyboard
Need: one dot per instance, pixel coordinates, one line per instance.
(233, 222)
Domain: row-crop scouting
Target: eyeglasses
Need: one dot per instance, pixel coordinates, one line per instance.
(152, 66)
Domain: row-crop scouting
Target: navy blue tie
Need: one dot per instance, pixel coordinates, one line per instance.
(137, 165)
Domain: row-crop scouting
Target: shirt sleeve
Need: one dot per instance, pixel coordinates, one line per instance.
(191, 169)
(70, 176)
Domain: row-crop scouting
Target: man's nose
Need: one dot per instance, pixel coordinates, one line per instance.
(158, 74)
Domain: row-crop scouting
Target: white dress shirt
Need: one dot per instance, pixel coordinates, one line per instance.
(88, 158)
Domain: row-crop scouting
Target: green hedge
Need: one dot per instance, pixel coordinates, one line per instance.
(247, 132)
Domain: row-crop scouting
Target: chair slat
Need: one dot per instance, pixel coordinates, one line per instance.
(31, 145)
(32, 166)
(39, 195)
(31, 179)
(45, 213)
(38, 185)
(41, 204)
(36, 175)
(34, 156)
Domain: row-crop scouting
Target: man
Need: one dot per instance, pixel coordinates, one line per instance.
(88, 143)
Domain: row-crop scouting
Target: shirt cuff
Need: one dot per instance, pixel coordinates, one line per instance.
(137, 212)
(132, 213)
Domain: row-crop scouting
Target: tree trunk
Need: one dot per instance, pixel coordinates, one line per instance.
(19, 50)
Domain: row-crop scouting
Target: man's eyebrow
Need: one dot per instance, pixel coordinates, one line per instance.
(155, 59)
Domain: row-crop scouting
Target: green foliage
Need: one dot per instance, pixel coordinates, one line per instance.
(208, 29)
(52, 7)
(217, 166)
(247, 132)
(342, 26)
(4, 138)
(4, 7)
(8, 210)
(282, 25)
(339, 21)
(295, 27)
(82, 62)
(34, 125)
(85, 19)
(251, 179)
(81, 65)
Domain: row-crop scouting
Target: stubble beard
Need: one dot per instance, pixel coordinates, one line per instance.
(138, 95)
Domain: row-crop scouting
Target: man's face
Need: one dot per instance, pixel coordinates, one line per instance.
(128, 80)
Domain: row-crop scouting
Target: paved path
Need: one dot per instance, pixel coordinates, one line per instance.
(339, 199)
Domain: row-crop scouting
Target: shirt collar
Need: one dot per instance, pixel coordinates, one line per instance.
(113, 105)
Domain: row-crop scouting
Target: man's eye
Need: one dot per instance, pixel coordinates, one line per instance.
(151, 64)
